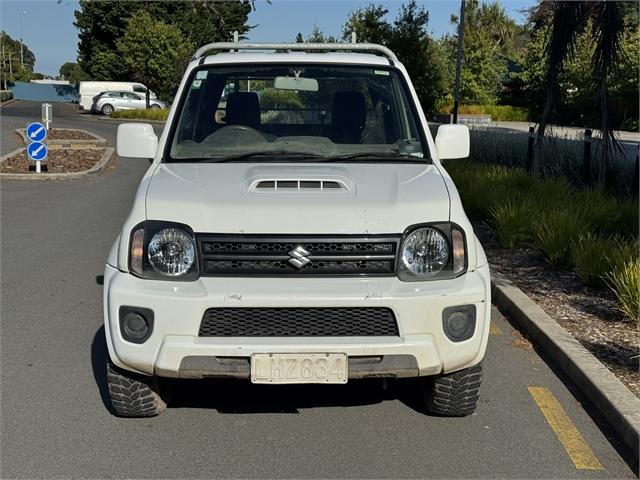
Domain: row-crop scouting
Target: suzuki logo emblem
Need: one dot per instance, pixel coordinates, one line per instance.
(298, 257)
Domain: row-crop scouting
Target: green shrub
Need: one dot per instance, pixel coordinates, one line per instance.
(592, 256)
(625, 282)
(506, 113)
(559, 157)
(498, 147)
(552, 193)
(622, 251)
(159, 114)
(506, 183)
(483, 186)
(472, 187)
(554, 231)
(628, 221)
(602, 211)
(272, 98)
(511, 221)
(499, 113)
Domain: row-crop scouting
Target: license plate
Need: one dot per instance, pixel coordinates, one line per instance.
(277, 368)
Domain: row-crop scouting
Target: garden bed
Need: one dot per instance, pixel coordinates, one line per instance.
(66, 136)
(62, 160)
(69, 134)
(589, 314)
(573, 250)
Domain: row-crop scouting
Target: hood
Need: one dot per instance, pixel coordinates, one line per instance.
(297, 199)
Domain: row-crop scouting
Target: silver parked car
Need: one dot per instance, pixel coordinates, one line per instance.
(109, 102)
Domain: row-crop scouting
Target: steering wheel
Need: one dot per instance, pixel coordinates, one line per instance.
(244, 130)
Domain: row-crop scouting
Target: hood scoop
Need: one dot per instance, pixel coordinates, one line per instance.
(295, 185)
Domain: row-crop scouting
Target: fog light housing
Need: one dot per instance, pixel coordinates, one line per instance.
(136, 324)
(459, 322)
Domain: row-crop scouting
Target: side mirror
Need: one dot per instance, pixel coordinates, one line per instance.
(136, 140)
(452, 142)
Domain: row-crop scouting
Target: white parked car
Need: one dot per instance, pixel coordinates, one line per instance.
(302, 230)
(89, 89)
(109, 102)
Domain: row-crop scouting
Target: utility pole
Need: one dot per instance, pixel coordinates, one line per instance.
(21, 47)
(456, 93)
(4, 71)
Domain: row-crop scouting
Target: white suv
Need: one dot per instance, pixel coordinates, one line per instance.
(299, 229)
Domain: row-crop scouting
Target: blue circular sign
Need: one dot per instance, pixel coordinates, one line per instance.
(37, 151)
(36, 132)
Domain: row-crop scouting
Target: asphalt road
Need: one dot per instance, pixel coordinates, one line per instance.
(56, 423)
(20, 113)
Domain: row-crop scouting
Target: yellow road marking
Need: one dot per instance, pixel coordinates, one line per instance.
(494, 329)
(579, 452)
(73, 145)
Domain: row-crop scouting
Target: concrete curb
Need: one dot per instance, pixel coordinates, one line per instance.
(8, 102)
(96, 169)
(611, 397)
(133, 120)
(97, 140)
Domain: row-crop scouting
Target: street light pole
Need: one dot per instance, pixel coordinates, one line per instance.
(21, 54)
(456, 93)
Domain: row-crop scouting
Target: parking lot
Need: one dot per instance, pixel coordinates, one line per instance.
(56, 420)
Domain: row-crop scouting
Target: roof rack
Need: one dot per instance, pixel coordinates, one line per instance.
(316, 47)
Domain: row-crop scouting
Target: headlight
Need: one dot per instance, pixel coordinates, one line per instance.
(425, 251)
(171, 252)
(432, 252)
(162, 250)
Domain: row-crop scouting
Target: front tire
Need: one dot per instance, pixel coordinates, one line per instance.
(133, 395)
(455, 394)
(155, 106)
(107, 109)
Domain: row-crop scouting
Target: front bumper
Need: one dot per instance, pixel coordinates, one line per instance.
(175, 350)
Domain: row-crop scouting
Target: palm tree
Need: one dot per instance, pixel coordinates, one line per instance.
(566, 20)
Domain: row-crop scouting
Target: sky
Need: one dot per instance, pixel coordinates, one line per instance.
(47, 26)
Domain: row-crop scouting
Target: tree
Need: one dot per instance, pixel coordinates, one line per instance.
(407, 36)
(605, 22)
(73, 72)
(316, 36)
(102, 24)
(271, 98)
(10, 68)
(155, 53)
(490, 38)
(369, 24)
(299, 38)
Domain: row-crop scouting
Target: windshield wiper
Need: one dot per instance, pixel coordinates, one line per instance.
(268, 156)
(373, 156)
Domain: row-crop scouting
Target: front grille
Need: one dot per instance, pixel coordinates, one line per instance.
(298, 322)
(268, 255)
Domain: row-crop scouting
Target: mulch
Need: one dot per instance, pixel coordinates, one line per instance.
(589, 314)
(63, 160)
(67, 134)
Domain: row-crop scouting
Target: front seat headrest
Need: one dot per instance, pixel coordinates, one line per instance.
(243, 108)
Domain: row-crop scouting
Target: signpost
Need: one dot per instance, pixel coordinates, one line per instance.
(47, 115)
(36, 150)
(36, 132)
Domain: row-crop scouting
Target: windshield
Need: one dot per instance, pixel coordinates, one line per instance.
(300, 113)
